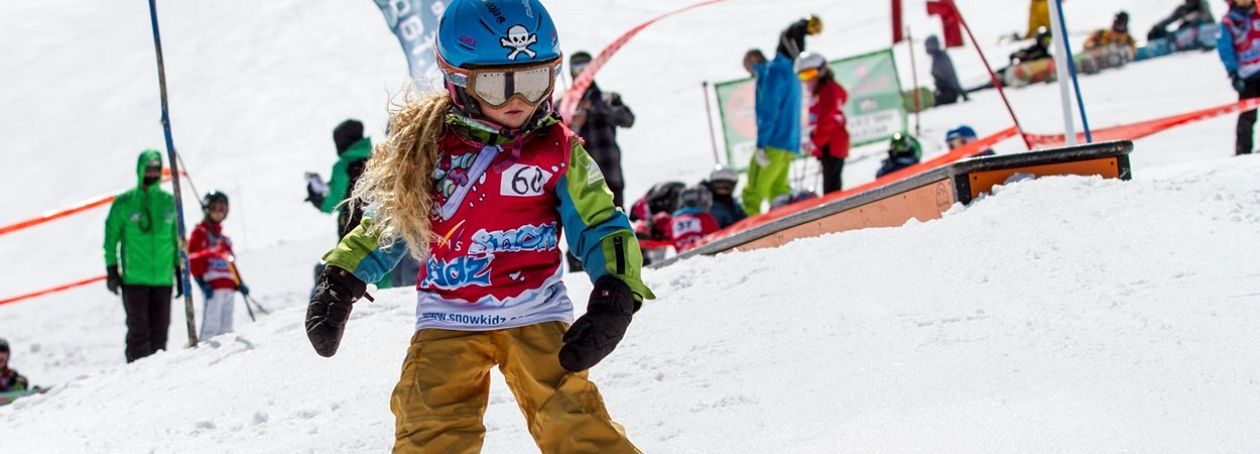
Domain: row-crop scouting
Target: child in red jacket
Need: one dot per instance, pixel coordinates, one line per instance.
(210, 257)
(829, 133)
(692, 222)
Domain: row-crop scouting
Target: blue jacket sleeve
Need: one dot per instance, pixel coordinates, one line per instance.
(1225, 47)
(360, 252)
(769, 88)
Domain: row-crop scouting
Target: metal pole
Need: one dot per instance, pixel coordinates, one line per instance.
(179, 201)
(993, 76)
(1062, 56)
(1076, 85)
(708, 112)
(914, 79)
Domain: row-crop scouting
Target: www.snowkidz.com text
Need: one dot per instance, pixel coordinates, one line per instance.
(466, 319)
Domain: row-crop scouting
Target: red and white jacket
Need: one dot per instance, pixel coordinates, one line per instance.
(209, 252)
(498, 211)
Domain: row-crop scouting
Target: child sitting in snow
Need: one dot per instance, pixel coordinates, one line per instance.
(10, 380)
(692, 222)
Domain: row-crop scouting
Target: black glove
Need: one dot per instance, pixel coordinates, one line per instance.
(241, 287)
(313, 196)
(326, 316)
(179, 284)
(594, 335)
(1238, 83)
(112, 279)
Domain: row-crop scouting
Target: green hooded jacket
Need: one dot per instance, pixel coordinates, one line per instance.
(143, 221)
(339, 185)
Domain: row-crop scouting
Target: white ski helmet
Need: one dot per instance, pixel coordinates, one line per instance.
(810, 60)
(724, 173)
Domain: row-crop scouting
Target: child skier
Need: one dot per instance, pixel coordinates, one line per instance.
(10, 380)
(903, 151)
(477, 182)
(210, 261)
(692, 222)
(1239, 48)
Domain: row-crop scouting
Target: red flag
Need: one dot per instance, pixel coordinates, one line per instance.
(898, 29)
(950, 24)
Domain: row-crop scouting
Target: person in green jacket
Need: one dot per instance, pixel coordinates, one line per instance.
(353, 152)
(141, 258)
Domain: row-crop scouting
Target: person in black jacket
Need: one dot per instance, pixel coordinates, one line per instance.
(948, 90)
(596, 120)
(1039, 49)
(1190, 14)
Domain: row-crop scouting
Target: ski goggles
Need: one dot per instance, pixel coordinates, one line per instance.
(809, 74)
(496, 86)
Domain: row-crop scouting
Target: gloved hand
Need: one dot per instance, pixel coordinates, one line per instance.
(179, 284)
(813, 25)
(314, 196)
(761, 157)
(1238, 83)
(113, 280)
(326, 316)
(594, 335)
(241, 287)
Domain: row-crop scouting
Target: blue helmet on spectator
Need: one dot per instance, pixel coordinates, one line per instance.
(961, 132)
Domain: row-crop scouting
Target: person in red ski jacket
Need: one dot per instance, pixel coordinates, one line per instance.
(210, 261)
(829, 132)
(692, 222)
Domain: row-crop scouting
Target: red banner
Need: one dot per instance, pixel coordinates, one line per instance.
(67, 212)
(56, 289)
(569, 104)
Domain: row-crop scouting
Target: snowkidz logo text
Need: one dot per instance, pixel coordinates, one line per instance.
(464, 319)
(524, 238)
(457, 273)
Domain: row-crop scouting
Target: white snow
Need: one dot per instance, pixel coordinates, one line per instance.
(1059, 315)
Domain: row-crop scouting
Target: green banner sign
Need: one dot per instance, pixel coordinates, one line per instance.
(875, 110)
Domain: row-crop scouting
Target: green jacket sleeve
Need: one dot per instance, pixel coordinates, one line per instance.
(598, 233)
(113, 232)
(337, 186)
(360, 253)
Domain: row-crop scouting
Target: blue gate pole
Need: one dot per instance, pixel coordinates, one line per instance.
(1076, 86)
(179, 201)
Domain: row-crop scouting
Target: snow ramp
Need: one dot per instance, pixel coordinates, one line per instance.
(924, 197)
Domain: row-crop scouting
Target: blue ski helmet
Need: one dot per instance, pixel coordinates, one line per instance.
(480, 33)
(963, 131)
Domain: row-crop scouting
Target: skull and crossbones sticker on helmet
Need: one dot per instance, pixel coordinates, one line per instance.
(518, 40)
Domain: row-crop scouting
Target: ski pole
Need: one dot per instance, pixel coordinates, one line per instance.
(260, 307)
(179, 201)
(236, 276)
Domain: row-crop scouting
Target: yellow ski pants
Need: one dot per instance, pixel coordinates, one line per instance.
(442, 395)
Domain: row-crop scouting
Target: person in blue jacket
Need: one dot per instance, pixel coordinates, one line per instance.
(778, 117)
(1239, 47)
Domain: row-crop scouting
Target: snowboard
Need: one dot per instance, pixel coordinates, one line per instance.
(927, 99)
(8, 397)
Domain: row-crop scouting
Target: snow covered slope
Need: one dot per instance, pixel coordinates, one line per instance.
(1069, 314)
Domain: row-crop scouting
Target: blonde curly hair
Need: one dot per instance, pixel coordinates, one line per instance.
(398, 181)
